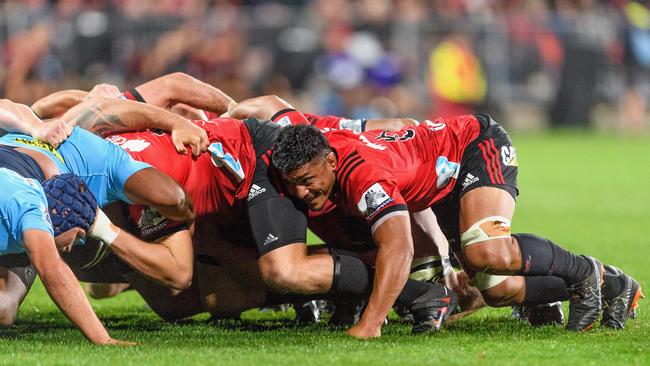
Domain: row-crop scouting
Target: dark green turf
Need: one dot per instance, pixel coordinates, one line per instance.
(590, 193)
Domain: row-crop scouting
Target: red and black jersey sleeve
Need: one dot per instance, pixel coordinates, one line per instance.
(288, 117)
(134, 95)
(373, 192)
(151, 224)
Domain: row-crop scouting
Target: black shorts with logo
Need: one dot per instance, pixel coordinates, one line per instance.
(276, 220)
(488, 161)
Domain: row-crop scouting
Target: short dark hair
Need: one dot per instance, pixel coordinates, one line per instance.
(298, 145)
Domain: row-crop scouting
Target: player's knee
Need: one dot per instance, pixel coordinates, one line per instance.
(281, 277)
(505, 293)
(492, 256)
(8, 312)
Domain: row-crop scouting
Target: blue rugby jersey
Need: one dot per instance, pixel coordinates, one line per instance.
(103, 166)
(23, 206)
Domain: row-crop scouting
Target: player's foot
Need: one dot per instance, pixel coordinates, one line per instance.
(431, 311)
(540, 314)
(346, 314)
(585, 303)
(618, 309)
(307, 312)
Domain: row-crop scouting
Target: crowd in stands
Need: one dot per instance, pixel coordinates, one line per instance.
(362, 58)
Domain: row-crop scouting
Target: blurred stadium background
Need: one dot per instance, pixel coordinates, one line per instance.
(530, 63)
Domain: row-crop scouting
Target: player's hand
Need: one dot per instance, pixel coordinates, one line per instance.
(363, 332)
(53, 132)
(117, 342)
(105, 91)
(192, 136)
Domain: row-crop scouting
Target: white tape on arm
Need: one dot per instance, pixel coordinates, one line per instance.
(103, 229)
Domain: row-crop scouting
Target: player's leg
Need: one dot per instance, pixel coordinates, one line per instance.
(170, 305)
(15, 282)
(486, 208)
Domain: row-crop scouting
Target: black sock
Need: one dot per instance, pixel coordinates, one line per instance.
(613, 284)
(414, 290)
(542, 257)
(291, 298)
(545, 289)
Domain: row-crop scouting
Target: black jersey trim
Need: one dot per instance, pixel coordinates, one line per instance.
(386, 211)
(347, 161)
(352, 168)
(137, 95)
(278, 114)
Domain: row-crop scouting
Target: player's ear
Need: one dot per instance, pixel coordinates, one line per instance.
(330, 159)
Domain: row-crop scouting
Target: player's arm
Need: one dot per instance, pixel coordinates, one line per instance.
(171, 89)
(167, 197)
(428, 223)
(63, 287)
(393, 263)
(168, 261)
(56, 104)
(102, 115)
(16, 117)
(263, 108)
(389, 124)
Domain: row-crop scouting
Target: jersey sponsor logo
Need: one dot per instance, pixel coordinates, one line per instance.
(446, 170)
(28, 181)
(365, 140)
(284, 121)
(46, 214)
(255, 191)
(402, 135)
(137, 145)
(373, 199)
(509, 155)
(435, 126)
(351, 124)
(270, 239)
(41, 145)
(469, 180)
(220, 158)
(151, 221)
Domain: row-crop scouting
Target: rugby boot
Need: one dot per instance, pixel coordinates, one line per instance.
(585, 303)
(539, 314)
(347, 314)
(618, 309)
(307, 312)
(430, 311)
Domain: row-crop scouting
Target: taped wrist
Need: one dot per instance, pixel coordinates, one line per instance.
(103, 229)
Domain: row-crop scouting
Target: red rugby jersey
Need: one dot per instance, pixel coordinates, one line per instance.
(381, 172)
(218, 181)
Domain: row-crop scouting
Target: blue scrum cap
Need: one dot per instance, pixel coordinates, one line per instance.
(70, 202)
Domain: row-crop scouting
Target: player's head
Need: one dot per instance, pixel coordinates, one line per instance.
(307, 163)
(72, 207)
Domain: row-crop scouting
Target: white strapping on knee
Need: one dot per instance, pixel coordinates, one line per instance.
(493, 227)
(483, 281)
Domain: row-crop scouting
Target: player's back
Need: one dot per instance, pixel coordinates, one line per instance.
(422, 162)
(101, 165)
(212, 180)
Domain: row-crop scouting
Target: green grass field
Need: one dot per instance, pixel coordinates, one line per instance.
(587, 192)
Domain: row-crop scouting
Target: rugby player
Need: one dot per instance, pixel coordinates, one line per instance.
(239, 153)
(327, 223)
(27, 210)
(112, 175)
(384, 176)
